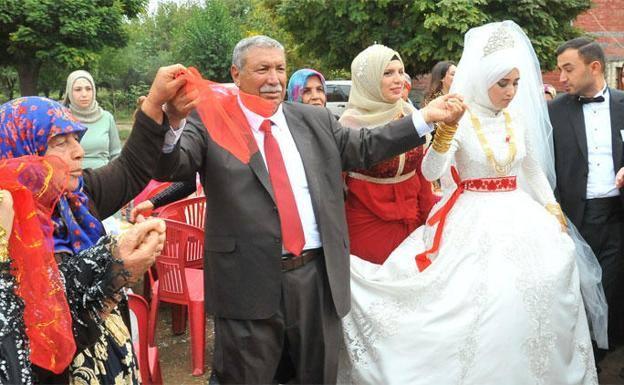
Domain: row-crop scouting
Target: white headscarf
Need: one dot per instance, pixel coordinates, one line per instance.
(367, 107)
(90, 114)
(491, 69)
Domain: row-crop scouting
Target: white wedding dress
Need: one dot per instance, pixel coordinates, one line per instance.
(499, 305)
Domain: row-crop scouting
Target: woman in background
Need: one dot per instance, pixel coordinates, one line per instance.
(307, 86)
(391, 199)
(101, 142)
(441, 79)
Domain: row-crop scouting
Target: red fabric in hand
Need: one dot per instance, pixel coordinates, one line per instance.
(36, 184)
(222, 116)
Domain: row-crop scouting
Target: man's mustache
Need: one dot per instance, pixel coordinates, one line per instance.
(268, 88)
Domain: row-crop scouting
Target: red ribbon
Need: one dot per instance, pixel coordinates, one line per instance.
(481, 184)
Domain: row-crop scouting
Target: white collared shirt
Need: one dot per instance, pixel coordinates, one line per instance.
(172, 136)
(601, 177)
(294, 169)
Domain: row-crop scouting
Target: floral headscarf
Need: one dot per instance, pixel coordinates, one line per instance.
(297, 83)
(26, 126)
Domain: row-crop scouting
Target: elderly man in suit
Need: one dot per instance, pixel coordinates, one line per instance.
(277, 250)
(588, 125)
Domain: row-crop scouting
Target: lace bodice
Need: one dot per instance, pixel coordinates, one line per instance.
(468, 156)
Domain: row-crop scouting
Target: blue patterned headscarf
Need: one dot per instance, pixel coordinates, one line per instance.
(26, 126)
(298, 81)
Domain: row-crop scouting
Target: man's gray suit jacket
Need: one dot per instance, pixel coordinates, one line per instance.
(243, 243)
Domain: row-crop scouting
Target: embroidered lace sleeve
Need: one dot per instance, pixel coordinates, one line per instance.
(535, 177)
(93, 278)
(14, 357)
(434, 164)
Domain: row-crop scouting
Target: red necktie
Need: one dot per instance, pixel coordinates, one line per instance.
(292, 231)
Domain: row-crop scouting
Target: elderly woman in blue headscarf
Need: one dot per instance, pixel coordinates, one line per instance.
(307, 86)
(94, 346)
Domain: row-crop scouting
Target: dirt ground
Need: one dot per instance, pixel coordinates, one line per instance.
(175, 355)
(175, 351)
(611, 367)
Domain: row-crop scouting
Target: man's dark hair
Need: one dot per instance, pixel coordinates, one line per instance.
(588, 49)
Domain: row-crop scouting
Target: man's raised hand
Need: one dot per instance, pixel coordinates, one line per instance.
(164, 88)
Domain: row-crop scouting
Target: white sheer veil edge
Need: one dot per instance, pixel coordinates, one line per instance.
(530, 108)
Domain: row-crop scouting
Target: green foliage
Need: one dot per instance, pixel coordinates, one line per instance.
(207, 39)
(423, 31)
(122, 101)
(66, 32)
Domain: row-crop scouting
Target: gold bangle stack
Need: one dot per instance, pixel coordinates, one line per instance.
(443, 137)
(555, 210)
(4, 245)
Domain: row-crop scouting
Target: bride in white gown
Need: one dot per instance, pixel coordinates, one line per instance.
(501, 301)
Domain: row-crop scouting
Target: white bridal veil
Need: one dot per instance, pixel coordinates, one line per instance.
(475, 69)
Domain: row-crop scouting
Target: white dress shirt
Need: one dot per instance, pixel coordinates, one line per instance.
(601, 177)
(294, 169)
(292, 162)
(172, 136)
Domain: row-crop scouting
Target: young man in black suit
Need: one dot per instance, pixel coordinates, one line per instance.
(588, 125)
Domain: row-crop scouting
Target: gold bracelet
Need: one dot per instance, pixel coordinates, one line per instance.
(443, 137)
(4, 245)
(447, 128)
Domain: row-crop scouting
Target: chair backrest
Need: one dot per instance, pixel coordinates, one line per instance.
(138, 306)
(189, 210)
(184, 248)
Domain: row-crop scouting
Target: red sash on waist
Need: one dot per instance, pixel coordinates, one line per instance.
(507, 183)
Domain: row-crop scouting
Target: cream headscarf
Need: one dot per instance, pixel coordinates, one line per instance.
(85, 115)
(367, 107)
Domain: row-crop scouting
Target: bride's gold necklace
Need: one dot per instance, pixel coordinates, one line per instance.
(503, 168)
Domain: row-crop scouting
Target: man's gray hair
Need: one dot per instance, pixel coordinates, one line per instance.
(259, 41)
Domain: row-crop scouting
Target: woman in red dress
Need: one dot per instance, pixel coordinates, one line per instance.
(390, 200)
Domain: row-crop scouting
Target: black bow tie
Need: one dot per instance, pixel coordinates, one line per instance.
(597, 99)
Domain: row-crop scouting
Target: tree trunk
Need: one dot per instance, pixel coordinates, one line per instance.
(112, 91)
(11, 87)
(28, 73)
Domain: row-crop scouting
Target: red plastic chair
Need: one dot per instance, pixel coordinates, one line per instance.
(146, 353)
(189, 210)
(180, 285)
